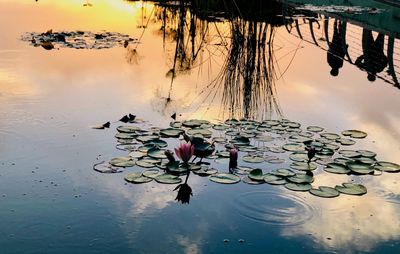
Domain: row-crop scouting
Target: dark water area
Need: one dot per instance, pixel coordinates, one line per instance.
(66, 66)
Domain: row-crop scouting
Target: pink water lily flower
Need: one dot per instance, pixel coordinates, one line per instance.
(233, 157)
(185, 151)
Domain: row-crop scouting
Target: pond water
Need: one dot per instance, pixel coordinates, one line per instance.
(192, 62)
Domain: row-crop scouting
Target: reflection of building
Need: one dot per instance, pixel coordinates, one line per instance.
(381, 20)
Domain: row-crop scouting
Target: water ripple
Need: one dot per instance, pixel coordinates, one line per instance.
(273, 208)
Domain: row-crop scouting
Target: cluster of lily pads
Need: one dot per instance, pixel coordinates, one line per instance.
(261, 145)
(340, 9)
(77, 39)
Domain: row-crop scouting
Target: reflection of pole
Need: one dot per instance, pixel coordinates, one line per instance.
(326, 30)
(345, 47)
(390, 50)
(312, 32)
(298, 28)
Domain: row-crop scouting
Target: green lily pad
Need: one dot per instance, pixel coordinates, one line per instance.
(152, 173)
(171, 132)
(177, 168)
(168, 179)
(299, 156)
(303, 166)
(366, 153)
(256, 175)
(306, 134)
(389, 167)
(336, 168)
(126, 147)
(220, 127)
(323, 161)
(325, 192)
(137, 178)
(127, 129)
(123, 135)
(345, 141)
(325, 153)
(156, 142)
(242, 170)
(293, 147)
(145, 148)
(105, 167)
(264, 138)
(276, 149)
(249, 149)
(199, 131)
(301, 178)
(137, 154)
(330, 136)
(274, 179)
(366, 160)
(175, 124)
(253, 159)
(122, 162)
(298, 186)
(225, 178)
(147, 138)
(351, 189)
(283, 172)
(341, 160)
(332, 147)
(219, 139)
(315, 128)
(204, 171)
(349, 153)
(240, 141)
(145, 164)
(354, 133)
(156, 153)
(360, 168)
(247, 180)
(275, 160)
(194, 123)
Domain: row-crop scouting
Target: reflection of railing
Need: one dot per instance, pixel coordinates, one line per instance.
(356, 39)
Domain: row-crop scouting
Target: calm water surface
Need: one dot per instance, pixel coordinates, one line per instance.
(51, 201)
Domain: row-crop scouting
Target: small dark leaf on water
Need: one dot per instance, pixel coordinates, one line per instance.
(124, 119)
(47, 45)
(106, 125)
(173, 116)
(126, 43)
(131, 117)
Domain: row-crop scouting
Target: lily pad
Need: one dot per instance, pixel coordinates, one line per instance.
(298, 186)
(199, 131)
(253, 159)
(204, 171)
(276, 149)
(122, 162)
(168, 179)
(123, 135)
(330, 136)
(275, 160)
(147, 138)
(388, 166)
(152, 173)
(225, 178)
(194, 123)
(303, 166)
(294, 147)
(137, 154)
(105, 167)
(349, 153)
(351, 189)
(366, 153)
(315, 128)
(145, 164)
(354, 133)
(171, 132)
(247, 180)
(299, 156)
(156, 153)
(283, 172)
(127, 129)
(137, 178)
(274, 179)
(242, 170)
(301, 178)
(156, 142)
(360, 168)
(336, 168)
(256, 175)
(177, 168)
(325, 192)
(345, 141)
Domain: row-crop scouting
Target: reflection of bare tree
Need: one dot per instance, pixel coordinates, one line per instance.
(248, 73)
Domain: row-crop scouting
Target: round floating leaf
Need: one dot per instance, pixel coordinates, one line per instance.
(323, 161)
(325, 192)
(264, 138)
(240, 141)
(274, 179)
(247, 180)
(204, 171)
(341, 160)
(294, 147)
(168, 179)
(351, 189)
(303, 166)
(220, 127)
(301, 178)
(366, 153)
(242, 170)
(219, 139)
(336, 168)
(346, 141)
(276, 149)
(152, 173)
(325, 152)
(194, 123)
(156, 142)
(126, 147)
(298, 186)
(123, 135)
(105, 167)
(256, 175)
(271, 122)
(128, 129)
(349, 153)
(198, 131)
(137, 154)
(306, 134)
(175, 124)
(156, 153)
(299, 156)
(122, 162)
(145, 164)
(360, 168)
(283, 172)
(315, 128)
(171, 132)
(330, 136)
(177, 168)
(225, 178)
(137, 178)
(366, 160)
(253, 159)
(354, 133)
(249, 149)
(145, 148)
(388, 166)
(147, 138)
(275, 160)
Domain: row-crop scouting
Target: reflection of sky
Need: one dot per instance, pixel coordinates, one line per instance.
(83, 88)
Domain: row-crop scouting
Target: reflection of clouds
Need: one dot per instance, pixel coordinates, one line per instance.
(190, 247)
(351, 223)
